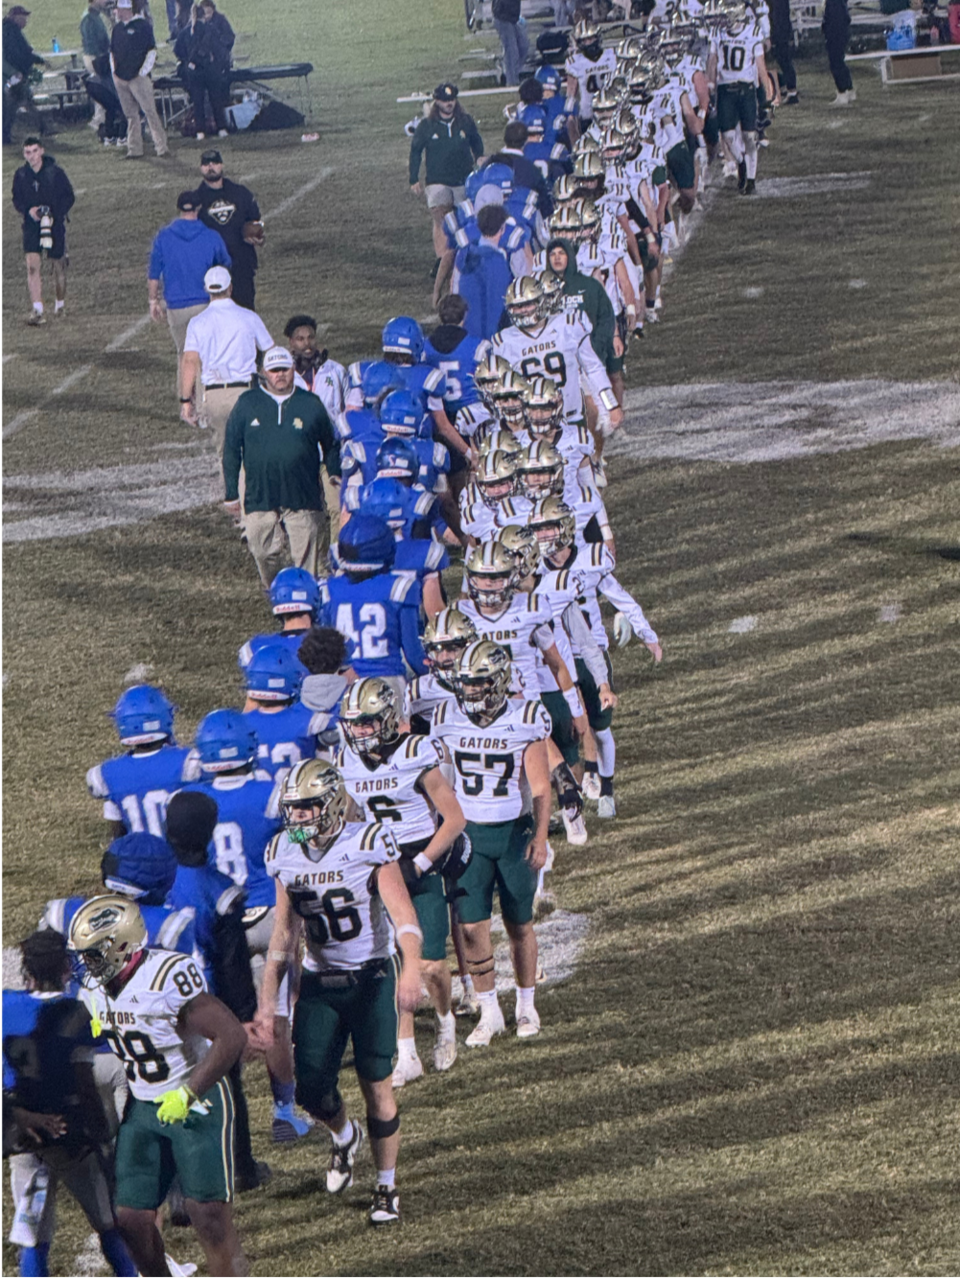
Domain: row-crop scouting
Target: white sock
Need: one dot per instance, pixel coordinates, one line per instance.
(735, 143)
(407, 1048)
(58, 305)
(467, 983)
(447, 1024)
(38, 307)
(387, 1177)
(606, 751)
(344, 1135)
(750, 145)
(488, 1002)
(525, 999)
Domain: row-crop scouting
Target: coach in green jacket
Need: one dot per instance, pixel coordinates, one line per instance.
(280, 436)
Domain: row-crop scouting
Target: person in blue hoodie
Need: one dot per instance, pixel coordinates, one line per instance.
(182, 254)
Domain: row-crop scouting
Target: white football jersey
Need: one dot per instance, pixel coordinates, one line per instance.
(561, 589)
(425, 693)
(488, 762)
(737, 54)
(140, 1023)
(559, 349)
(388, 790)
(591, 76)
(345, 922)
(481, 521)
(591, 574)
(669, 112)
(524, 629)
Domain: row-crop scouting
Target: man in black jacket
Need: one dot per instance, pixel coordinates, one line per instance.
(133, 51)
(43, 197)
(232, 210)
(19, 60)
(204, 51)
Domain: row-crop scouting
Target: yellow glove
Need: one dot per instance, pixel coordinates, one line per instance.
(175, 1106)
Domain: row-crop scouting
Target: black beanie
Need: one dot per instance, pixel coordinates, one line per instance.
(191, 818)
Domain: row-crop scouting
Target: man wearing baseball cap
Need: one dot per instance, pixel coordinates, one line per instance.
(280, 436)
(232, 211)
(452, 143)
(182, 254)
(219, 356)
(133, 52)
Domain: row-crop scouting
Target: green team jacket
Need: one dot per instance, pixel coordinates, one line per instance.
(281, 447)
(451, 150)
(591, 298)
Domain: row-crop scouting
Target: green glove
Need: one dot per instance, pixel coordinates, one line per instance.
(175, 1106)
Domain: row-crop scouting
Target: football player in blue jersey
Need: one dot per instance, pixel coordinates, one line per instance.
(286, 730)
(551, 158)
(135, 786)
(374, 607)
(294, 598)
(400, 509)
(58, 1119)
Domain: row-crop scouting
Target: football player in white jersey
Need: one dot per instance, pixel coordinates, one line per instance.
(497, 745)
(590, 571)
(491, 501)
(736, 67)
(393, 776)
(445, 639)
(554, 346)
(177, 1043)
(341, 883)
(542, 471)
(589, 69)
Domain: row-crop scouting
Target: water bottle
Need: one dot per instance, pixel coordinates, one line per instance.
(56, 45)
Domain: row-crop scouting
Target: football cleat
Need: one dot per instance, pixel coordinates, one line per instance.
(340, 1172)
(750, 187)
(444, 1052)
(591, 786)
(385, 1209)
(486, 1029)
(468, 1004)
(574, 825)
(607, 807)
(406, 1071)
(528, 1023)
(289, 1126)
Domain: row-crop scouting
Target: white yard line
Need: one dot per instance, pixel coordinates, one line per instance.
(121, 339)
(71, 380)
(8, 358)
(297, 195)
(17, 423)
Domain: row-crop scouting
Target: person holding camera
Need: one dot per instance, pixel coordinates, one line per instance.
(43, 197)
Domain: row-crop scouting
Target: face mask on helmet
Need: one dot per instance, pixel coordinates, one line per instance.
(313, 804)
(491, 572)
(541, 471)
(522, 302)
(370, 716)
(543, 410)
(483, 682)
(552, 287)
(445, 639)
(508, 399)
(497, 478)
(522, 543)
(106, 934)
(553, 523)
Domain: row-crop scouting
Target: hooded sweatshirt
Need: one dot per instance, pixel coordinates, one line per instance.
(49, 186)
(590, 299)
(182, 254)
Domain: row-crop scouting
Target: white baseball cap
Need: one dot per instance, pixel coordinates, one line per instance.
(277, 357)
(217, 280)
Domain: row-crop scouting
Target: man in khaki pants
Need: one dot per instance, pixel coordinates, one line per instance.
(280, 436)
(132, 55)
(220, 351)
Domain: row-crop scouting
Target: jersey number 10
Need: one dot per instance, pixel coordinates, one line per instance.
(734, 56)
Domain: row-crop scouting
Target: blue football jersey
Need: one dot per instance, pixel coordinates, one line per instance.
(292, 638)
(421, 557)
(380, 616)
(167, 928)
(458, 367)
(136, 788)
(357, 422)
(208, 893)
(286, 736)
(248, 812)
(45, 1035)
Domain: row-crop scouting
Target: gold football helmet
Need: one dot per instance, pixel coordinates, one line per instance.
(565, 187)
(488, 375)
(565, 223)
(522, 542)
(543, 408)
(589, 221)
(541, 470)
(313, 803)
(106, 933)
(483, 681)
(522, 302)
(497, 478)
(552, 286)
(445, 639)
(508, 398)
(605, 106)
(588, 171)
(554, 524)
(498, 440)
(491, 571)
(370, 715)
(585, 142)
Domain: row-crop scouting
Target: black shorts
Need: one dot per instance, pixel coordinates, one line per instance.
(680, 166)
(31, 238)
(737, 104)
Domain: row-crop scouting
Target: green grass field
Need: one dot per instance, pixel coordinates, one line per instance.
(754, 1068)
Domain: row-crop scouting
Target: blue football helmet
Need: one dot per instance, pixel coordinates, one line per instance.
(387, 499)
(493, 175)
(294, 590)
(397, 459)
(366, 545)
(141, 866)
(225, 740)
(379, 379)
(549, 77)
(401, 413)
(403, 336)
(535, 118)
(143, 714)
(273, 673)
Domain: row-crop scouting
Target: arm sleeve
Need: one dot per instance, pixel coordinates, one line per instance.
(232, 456)
(410, 636)
(589, 649)
(232, 978)
(624, 602)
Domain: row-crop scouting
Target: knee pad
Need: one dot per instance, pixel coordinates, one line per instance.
(328, 1107)
(481, 967)
(381, 1128)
